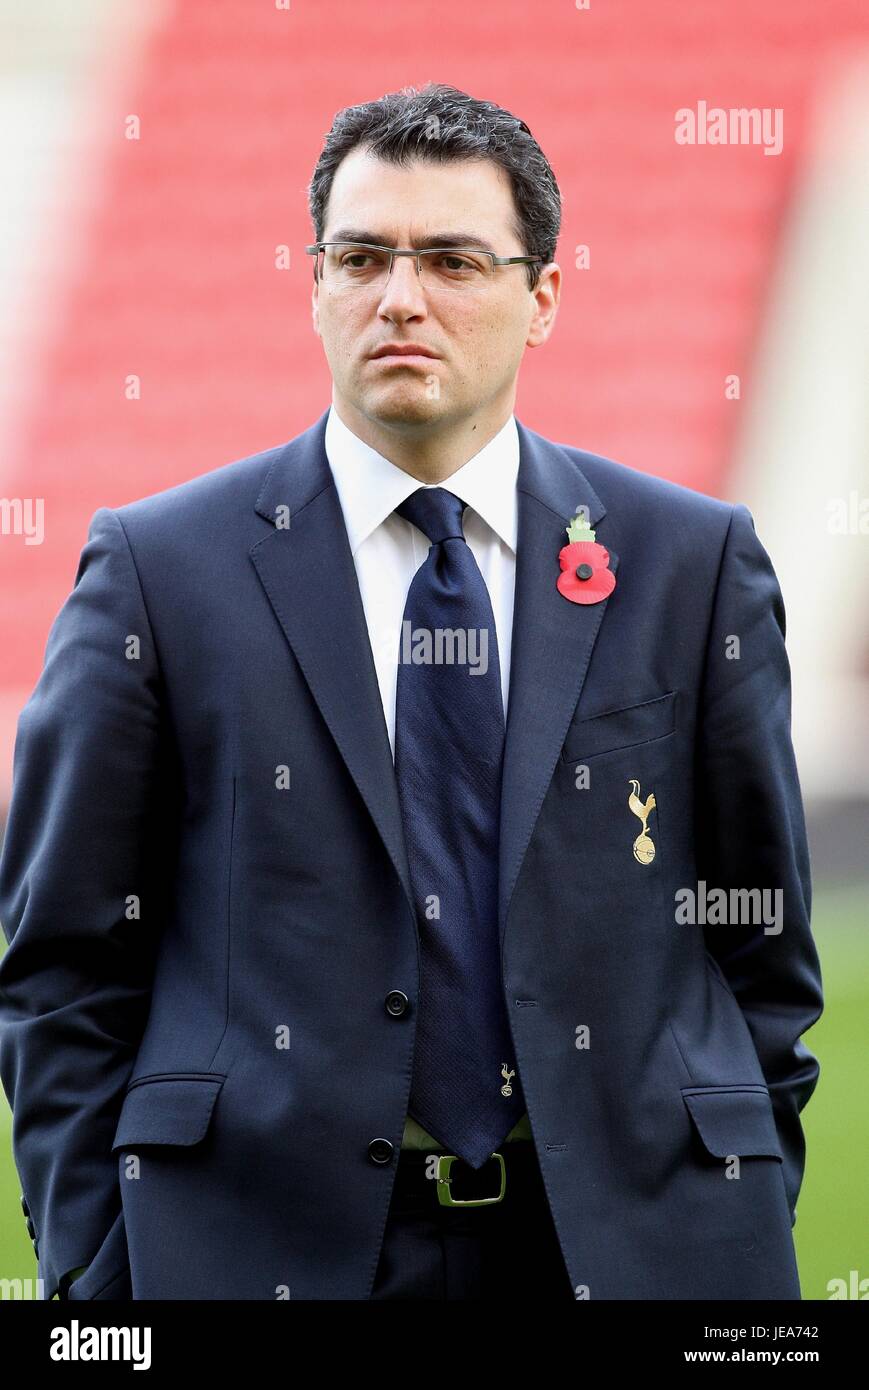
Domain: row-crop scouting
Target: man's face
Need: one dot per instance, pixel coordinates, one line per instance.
(478, 334)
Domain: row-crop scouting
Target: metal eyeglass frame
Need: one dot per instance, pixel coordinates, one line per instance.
(425, 251)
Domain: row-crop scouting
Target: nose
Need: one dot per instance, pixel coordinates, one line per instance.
(403, 295)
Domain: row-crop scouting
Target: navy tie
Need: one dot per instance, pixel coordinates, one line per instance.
(449, 748)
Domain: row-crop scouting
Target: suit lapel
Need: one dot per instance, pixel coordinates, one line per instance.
(309, 577)
(552, 643)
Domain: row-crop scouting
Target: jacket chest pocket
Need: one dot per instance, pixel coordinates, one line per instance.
(616, 792)
(628, 727)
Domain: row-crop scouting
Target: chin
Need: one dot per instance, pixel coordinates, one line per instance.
(408, 406)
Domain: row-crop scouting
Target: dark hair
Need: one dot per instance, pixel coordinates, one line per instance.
(397, 128)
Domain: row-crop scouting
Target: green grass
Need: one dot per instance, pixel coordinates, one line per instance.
(17, 1259)
(832, 1230)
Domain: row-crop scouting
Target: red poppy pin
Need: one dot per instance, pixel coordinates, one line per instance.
(584, 576)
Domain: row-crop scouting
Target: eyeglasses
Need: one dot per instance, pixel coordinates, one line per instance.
(342, 264)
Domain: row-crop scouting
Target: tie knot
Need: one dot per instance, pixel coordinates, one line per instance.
(436, 512)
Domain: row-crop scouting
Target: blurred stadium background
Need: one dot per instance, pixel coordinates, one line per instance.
(154, 158)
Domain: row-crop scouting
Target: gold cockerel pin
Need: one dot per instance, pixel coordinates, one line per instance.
(644, 848)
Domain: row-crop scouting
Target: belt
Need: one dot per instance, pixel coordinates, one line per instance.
(457, 1184)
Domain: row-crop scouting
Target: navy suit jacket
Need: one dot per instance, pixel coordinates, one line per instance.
(206, 892)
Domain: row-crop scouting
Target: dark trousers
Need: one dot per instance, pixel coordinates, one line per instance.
(501, 1251)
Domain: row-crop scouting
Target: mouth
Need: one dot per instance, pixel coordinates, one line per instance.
(412, 355)
(403, 359)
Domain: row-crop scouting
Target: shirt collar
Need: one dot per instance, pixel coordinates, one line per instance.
(370, 487)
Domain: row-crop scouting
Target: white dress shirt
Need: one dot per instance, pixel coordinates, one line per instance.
(388, 550)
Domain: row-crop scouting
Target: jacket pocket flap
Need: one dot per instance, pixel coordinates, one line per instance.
(620, 728)
(734, 1120)
(174, 1108)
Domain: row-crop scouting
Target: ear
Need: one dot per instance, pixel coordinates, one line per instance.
(547, 294)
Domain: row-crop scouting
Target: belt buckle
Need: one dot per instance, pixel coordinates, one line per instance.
(445, 1163)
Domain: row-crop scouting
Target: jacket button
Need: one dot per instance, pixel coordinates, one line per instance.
(24, 1207)
(380, 1151)
(35, 1245)
(396, 1003)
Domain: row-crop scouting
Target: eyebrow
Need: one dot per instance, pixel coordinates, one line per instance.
(444, 239)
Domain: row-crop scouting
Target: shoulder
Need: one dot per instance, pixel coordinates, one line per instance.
(624, 489)
(642, 514)
(206, 499)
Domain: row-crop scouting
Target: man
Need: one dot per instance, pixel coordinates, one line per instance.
(367, 813)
